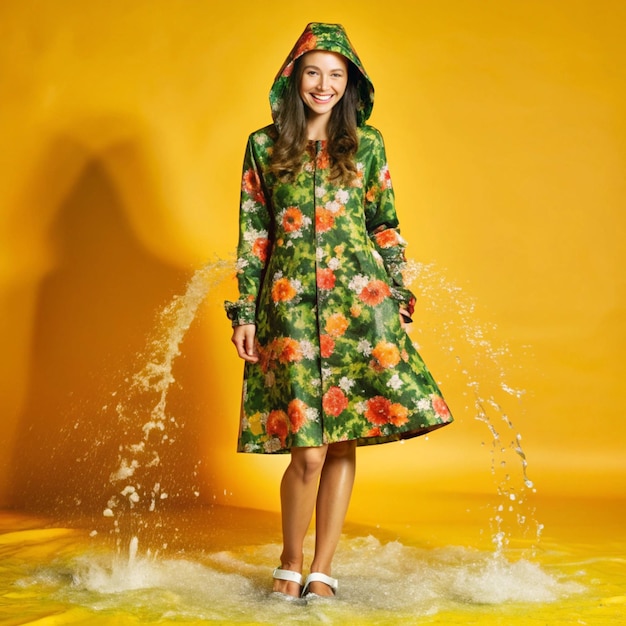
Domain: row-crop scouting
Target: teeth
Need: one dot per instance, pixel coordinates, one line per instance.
(324, 98)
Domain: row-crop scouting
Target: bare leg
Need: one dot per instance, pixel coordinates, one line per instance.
(298, 491)
(333, 498)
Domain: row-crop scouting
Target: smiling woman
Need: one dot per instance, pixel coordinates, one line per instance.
(124, 126)
(320, 319)
(324, 77)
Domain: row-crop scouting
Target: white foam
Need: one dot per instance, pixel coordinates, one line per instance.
(377, 580)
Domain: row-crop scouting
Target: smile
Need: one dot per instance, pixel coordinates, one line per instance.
(321, 98)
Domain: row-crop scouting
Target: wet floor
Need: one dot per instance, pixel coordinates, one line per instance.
(441, 569)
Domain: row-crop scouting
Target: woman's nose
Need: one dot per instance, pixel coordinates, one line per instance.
(323, 82)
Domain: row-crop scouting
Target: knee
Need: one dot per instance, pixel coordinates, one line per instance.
(308, 462)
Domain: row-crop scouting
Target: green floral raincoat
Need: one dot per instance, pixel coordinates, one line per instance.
(320, 274)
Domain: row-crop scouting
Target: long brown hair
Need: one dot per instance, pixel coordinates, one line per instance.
(292, 138)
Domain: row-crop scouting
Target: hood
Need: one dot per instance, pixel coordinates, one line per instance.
(333, 38)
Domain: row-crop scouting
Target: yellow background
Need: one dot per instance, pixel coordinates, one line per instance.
(123, 125)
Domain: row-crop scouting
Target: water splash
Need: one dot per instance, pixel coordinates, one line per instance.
(407, 583)
(471, 351)
(147, 428)
(140, 478)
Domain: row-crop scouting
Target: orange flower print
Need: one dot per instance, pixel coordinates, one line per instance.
(289, 350)
(387, 238)
(292, 219)
(324, 220)
(440, 407)
(277, 425)
(323, 161)
(384, 177)
(375, 292)
(250, 181)
(265, 357)
(374, 432)
(325, 278)
(296, 410)
(308, 42)
(283, 290)
(252, 185)
(327, 346)
(355, 310)
(398, 414)
(259, 248)
(371, 194)
(381, 411)
(377, 411)
(336, 324)
(386, 355)
(334, 401)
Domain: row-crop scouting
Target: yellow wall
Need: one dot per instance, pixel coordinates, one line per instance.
(123, 126)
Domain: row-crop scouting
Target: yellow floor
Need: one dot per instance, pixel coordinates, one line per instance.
(439, 570)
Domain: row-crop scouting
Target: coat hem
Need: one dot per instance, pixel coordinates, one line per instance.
(360, 441)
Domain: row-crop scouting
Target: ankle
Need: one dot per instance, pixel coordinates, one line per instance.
(321, 568)
(291, 562)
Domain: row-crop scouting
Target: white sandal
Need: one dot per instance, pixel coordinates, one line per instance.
(333, 583)
(292, 577)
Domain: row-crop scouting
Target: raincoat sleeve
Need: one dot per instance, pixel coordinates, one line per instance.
(382, 222)
(253, 246)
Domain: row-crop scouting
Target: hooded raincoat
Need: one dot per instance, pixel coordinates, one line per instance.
(319, 267)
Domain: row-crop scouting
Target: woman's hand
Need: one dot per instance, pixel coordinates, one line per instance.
(243, 338)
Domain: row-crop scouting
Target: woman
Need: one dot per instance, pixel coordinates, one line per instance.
(322, 307)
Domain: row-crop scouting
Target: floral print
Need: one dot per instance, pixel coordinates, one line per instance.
(319, 268)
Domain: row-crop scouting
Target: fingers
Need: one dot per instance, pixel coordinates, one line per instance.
(243, 339)
(245, 350)
(250, 347)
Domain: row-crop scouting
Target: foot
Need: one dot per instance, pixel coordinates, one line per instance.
(287, 582)
(319, 584)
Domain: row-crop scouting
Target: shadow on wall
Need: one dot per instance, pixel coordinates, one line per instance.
(93, 313)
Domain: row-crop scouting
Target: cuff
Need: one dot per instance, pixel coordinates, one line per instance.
(241, 312)
(405, 298)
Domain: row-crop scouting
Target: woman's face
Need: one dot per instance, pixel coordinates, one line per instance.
(324, 80)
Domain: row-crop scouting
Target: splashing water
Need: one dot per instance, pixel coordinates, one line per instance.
(463, 339)
(383, 582)
(407, 585)
(140, 477)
